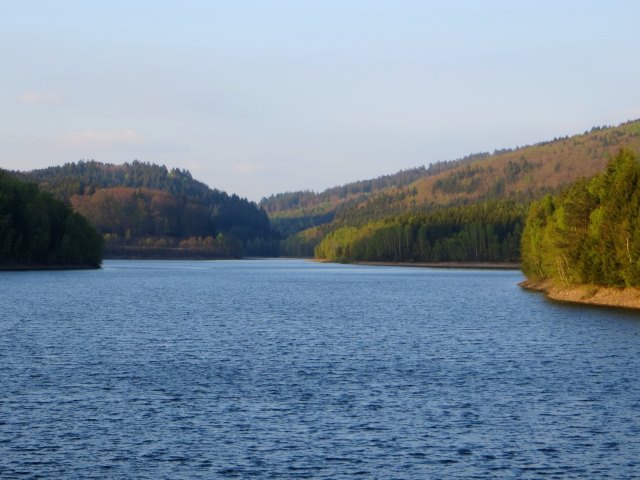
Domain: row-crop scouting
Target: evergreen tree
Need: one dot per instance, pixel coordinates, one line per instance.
(36, 229)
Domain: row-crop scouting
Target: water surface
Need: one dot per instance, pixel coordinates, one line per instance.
(292, 369)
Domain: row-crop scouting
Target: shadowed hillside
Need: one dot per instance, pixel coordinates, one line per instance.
(149, 209)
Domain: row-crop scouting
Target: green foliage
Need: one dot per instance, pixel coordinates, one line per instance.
(303, 244)
(590, 232)
(480, 232)
(36, 229)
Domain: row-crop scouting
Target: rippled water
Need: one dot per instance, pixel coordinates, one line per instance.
(292, 369)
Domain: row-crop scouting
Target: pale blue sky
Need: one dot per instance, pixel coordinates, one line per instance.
(259, 97)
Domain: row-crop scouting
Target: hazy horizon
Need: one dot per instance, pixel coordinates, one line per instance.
(275, 96)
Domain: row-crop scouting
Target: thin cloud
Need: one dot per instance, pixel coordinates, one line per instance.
(102, 138)
(42, 99)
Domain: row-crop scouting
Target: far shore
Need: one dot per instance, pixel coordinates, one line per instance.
(625, 298)
(24, 267)
(467, 265)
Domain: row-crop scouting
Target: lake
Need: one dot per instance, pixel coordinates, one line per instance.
(293, 369)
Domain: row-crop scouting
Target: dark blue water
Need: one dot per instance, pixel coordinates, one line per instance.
(291, 369)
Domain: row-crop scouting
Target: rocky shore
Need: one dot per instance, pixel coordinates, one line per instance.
(587, 294)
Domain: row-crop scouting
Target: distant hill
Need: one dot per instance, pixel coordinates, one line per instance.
(517, 175)
(291, 212)
(151, 210)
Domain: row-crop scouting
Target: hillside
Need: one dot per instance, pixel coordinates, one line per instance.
(292, 212)
(529, 171)
(147, 209)
(516, 175)
(524, 172)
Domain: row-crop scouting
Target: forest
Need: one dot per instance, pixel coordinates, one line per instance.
(308, 199)
(37, 230)
(436, 217)
(141, 207)
(293, 212)
(590, 233)
(482, 232)
(470, 209)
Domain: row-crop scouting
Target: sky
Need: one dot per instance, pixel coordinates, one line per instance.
(260, 97)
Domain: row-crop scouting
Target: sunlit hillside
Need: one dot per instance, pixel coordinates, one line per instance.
(522, 173)
(441, 204)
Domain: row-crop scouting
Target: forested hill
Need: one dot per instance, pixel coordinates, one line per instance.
(38, 231)
(150, 208)
(525, 173)
(291, 212)
(435, 219)
(85, 177)
(308, 200)
(522, 173)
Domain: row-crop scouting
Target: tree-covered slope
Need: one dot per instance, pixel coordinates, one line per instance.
(589, 234)
(85, 177)
(149, 206)
(521, 173)
(518, 176)
(481, 232)
(527, 172)
(292, 212)
(37, 230)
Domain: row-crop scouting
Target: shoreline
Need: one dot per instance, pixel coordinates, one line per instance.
(168, 257)
(444, 265)
(591, 295)
(44, 267)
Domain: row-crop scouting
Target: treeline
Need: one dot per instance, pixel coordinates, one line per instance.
(208, 247)
(38, 230)
(327, 200)
(590, 234)
(149, 206)
(87, 176)
(483, 232)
